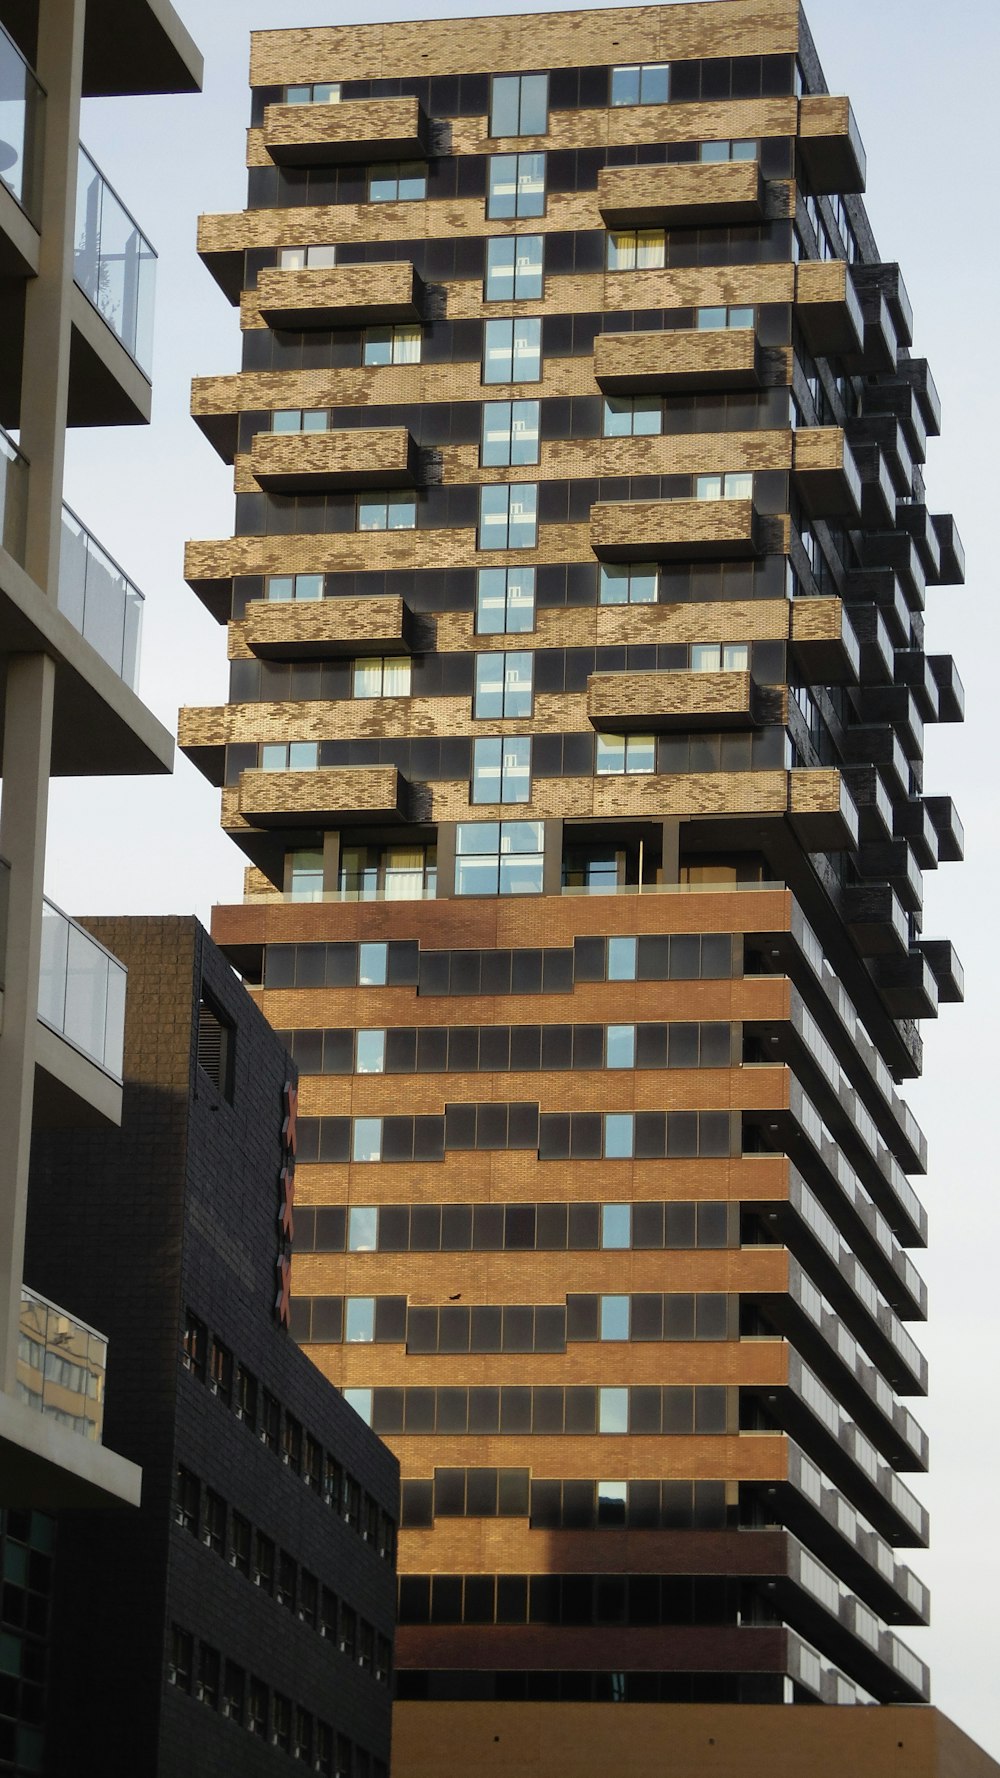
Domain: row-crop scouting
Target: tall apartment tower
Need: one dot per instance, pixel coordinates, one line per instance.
(76, 310)
(575, 742)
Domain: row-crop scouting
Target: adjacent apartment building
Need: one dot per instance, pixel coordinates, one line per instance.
(76, 310)
(575, 742)
(246, 1610)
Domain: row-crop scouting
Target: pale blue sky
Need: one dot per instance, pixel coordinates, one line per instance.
(922, 77)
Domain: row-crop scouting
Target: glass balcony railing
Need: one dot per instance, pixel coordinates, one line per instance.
(81, 990)
(114, 264)
(99, 599)
(61, 1366)
(21, 101)
(13, 495)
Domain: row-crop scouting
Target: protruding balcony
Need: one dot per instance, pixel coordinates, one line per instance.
(899, 400)
(678, 359)
(61, 1365)
(81, 1026)
(13, 498)
(358, 130)
(20, 172)
(946, 968)
(877, 921)
(623, 702)
(675, 530)
(368, 457)
(51, 1453)
(99, 599)
(912, 668)
(952, 569)
(329, 794)
(913, 823)
(821, 809)
(830, 145)
(339, 296)
(907, 985)
(893, 861)
(115, 270)
(824, 641)
(827, 307)
(913, 518)
(710, 194)
(878, 493)
(948, 827)
(825, 473)
(951, 691)
(296, 629)
(886, 279)
(917, 372)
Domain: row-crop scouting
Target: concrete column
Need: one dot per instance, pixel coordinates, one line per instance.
(47, 331)
(27, 744)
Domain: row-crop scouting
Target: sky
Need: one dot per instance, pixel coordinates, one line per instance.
(921, 76)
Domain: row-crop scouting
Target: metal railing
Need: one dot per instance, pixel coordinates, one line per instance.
(114, 264)
(21, 102)
(81, 990)
(61, 1365)
(99, 599)
(13, 496)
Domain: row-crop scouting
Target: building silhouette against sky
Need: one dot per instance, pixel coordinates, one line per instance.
(575, 742)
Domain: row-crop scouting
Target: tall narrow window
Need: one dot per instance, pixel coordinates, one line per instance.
(216, 1044)
(519, 105)
(512, 350)
(501, 769)
(505, 601)
(508, 516)
(514, 268)
(504, 685)
(510, 433)
(516, 185)
(305, 875)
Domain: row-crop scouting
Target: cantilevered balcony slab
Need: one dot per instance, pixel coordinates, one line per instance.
(875, 916)
(948, 827)
(338, 296)
(297, 629)
(945, 966)
(825, 473)
(138, 46)
(830, 145)
(827, 307)
(821, 809)
(907, 985)
(365, 457)
(331, 793)
(675, 530)
(46, 1465)
(358, 130)
(952, 569)
(686, 195)
(824, 641)
(678, 359)
(624, 702)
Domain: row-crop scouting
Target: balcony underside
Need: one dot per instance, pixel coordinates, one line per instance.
(46, 1466)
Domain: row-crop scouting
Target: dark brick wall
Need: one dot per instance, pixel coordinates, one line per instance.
(178, 1211)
